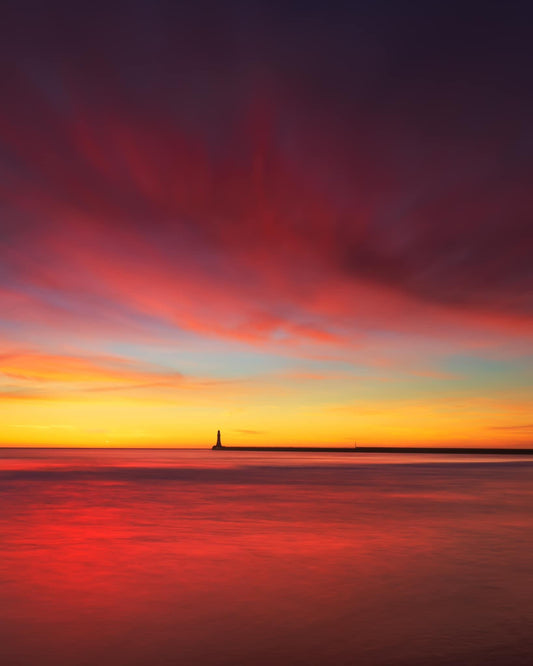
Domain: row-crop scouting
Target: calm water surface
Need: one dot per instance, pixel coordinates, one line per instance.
(200, 557)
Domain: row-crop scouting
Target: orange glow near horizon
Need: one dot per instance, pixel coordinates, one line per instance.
(188, 416)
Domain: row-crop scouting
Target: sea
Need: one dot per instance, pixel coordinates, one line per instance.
(165, 557)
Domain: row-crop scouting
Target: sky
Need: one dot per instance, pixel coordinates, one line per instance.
(300, 223)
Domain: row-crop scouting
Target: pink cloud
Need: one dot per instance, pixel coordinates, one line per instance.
(125, 218)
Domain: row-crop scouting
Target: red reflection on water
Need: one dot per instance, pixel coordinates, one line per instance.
(172, 562)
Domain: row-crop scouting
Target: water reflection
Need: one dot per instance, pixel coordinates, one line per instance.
(166, 557)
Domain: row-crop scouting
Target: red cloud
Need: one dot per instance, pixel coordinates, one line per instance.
(119, 218)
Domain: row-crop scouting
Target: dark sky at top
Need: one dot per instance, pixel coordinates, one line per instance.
(385, 143)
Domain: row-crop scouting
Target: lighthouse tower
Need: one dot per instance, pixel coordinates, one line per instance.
(218, 445)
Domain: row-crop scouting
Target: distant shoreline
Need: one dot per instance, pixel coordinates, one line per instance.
(379, 449)
(297, 449)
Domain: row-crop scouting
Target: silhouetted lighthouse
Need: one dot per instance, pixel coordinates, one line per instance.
(218, 445)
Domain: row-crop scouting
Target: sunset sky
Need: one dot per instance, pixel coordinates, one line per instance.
(300, 223)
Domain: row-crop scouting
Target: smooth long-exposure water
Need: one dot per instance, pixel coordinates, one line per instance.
(201, 557)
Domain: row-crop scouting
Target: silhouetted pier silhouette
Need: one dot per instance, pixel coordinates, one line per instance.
(376, 449)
